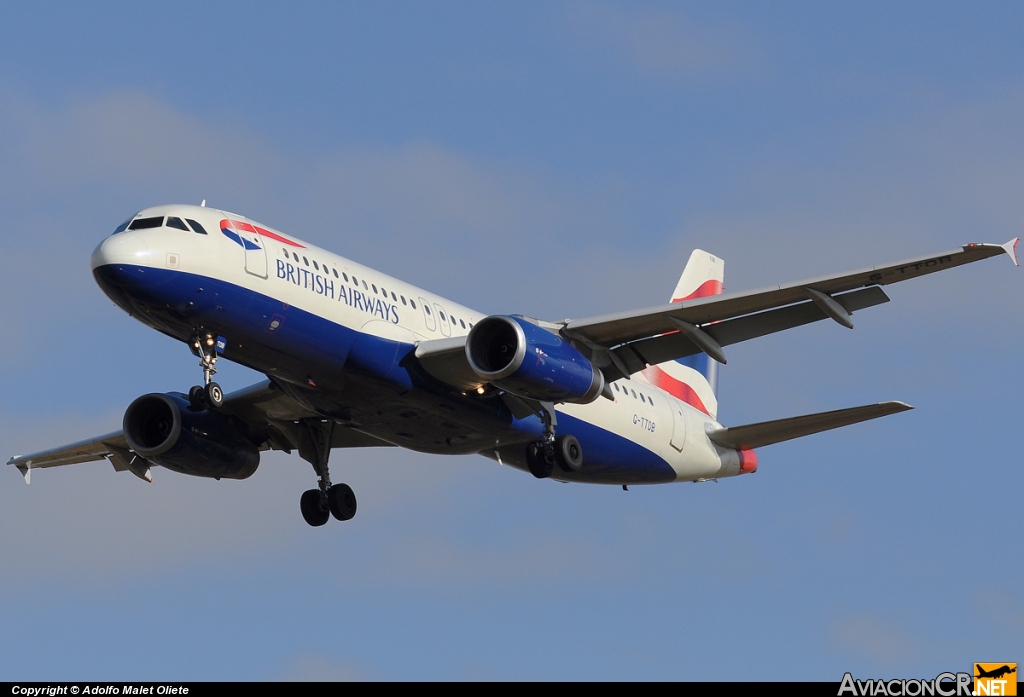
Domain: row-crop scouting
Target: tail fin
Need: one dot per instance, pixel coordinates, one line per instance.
(693, 379)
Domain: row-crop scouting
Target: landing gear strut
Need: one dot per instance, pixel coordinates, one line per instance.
(564, 451)
(209, 394)
(319, 504)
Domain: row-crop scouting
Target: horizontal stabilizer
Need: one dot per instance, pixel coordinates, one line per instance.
(769, 432)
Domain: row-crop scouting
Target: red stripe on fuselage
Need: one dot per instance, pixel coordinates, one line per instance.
(677, 388)
(262, 232)
(274, 236)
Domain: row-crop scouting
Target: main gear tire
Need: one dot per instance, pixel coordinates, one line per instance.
(540, 460)
(312, 512)
(568, 453)
(342, 501)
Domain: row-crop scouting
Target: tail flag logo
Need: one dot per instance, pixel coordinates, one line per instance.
(693, 379)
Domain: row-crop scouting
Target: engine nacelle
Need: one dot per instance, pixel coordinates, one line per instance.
(526, 360)
(165, 430)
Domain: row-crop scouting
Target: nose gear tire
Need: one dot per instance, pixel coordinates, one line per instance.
(197, 397)
(214, 395)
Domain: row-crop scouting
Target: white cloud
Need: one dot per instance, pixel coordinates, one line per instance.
(318, 668)
(867, 636)
(125, 139)
(663, 43)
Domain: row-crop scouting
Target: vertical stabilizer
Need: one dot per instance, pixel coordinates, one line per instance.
(693, 379)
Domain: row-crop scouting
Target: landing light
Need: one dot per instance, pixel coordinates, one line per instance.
(480, 390)
(209, 341)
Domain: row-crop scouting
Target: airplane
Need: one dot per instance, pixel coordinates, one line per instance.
(994, 673)
(355, 358)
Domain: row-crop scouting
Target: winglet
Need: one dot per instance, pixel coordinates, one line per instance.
(1011, 249)
(26, 472)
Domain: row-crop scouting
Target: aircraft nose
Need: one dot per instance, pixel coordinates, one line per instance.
(121, 248)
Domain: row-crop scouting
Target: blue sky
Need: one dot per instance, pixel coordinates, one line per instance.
(555, 159)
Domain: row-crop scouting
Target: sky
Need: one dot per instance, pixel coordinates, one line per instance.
(559, 160)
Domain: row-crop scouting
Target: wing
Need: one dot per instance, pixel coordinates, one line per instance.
(83, 451)
(265, 409)
(626, 342)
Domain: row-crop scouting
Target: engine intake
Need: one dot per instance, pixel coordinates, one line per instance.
(530, 361)
(165, 430)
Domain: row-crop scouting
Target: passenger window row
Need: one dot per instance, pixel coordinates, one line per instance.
(626, 392)
(379, 291)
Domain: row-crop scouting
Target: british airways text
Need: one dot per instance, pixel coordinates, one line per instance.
(340, 292)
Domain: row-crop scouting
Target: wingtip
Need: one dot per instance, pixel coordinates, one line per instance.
(1011, 249)
(26, 472)
(898, 405)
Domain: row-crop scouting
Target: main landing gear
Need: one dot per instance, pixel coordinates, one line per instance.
(318, 505)
(209, 394)
(564, 451)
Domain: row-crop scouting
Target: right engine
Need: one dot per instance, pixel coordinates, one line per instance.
(164, 429)
(516, 355)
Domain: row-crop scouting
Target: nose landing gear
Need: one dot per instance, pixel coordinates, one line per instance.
(209, 394)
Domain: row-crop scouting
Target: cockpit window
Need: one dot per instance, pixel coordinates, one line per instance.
(196, 226)
(124, 226)
(177, 223)
(146, 223)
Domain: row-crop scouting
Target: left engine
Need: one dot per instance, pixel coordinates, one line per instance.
(530, 361)
(164, 429)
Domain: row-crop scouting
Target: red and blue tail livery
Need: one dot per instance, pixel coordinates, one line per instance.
(694, 378)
